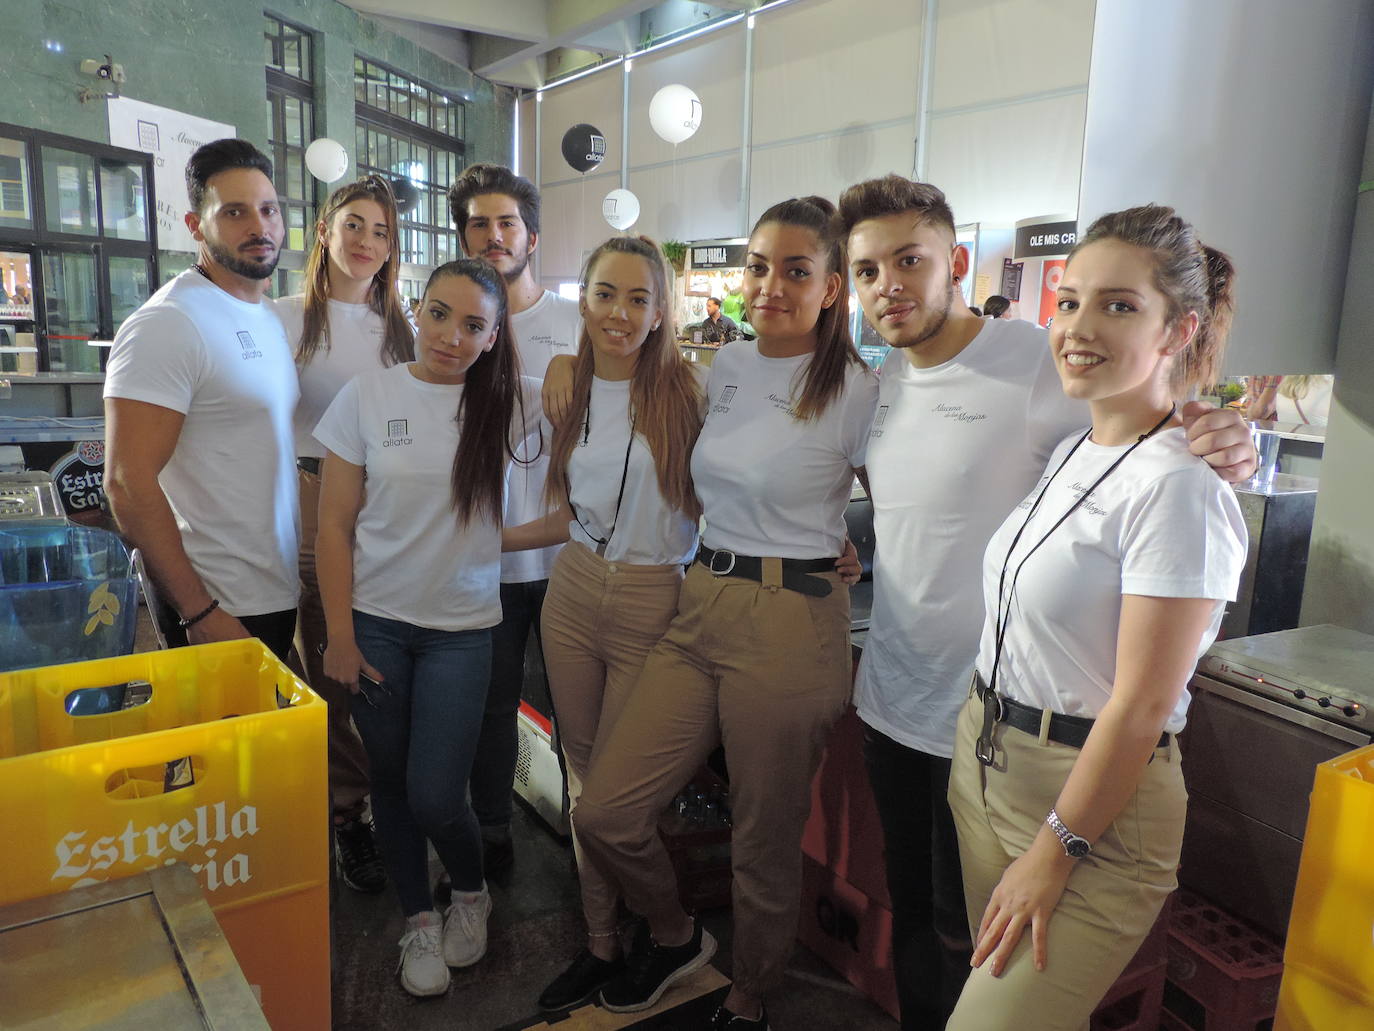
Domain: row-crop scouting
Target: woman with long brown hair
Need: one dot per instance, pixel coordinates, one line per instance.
(757, 657)
(410, 580)
(348, 321)
(620, 489)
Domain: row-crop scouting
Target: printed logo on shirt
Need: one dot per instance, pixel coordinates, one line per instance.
(249, 348)
(722, 404)
(958, 413)
(783, 404)
(878, 421)
(397, 433)
(1088, 505)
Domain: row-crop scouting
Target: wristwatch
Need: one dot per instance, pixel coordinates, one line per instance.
(1075, 847)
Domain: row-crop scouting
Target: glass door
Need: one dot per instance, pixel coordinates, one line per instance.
(71, 304)
(130, 286)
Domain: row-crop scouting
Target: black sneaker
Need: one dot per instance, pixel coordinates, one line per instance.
(355, 849)
(724, 1020)
(650, 971)
(585, 976)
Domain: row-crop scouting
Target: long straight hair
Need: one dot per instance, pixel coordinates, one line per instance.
(835, 350)
(491, 395)
(664, 393)
(398, 341)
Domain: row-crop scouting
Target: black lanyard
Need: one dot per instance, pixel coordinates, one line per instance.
(1003, 620)
(602, 542)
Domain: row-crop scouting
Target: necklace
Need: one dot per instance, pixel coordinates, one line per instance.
(602, 542)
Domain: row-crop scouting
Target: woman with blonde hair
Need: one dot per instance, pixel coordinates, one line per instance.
(348, 321)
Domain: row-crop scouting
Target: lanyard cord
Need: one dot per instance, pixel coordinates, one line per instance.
(1004, 619)
(602, 542)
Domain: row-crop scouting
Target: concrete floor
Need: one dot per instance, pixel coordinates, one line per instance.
(534, 931)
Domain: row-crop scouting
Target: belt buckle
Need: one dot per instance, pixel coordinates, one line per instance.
(715, 555)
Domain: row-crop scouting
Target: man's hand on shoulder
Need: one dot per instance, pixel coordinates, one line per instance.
(1221, 438)
(558, 387)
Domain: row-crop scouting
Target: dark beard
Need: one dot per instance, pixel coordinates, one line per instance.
(247, 268)
(935, 322)
(519, 270)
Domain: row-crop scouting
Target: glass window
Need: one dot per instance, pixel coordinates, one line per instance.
(72, 302)
(16, 211)
(291, 124)
(129, 287)
(69, 191)
(123, 200)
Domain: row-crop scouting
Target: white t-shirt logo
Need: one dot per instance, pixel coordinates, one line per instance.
(959, 413)
(878, 421)
(397, 433)
(722, 404)
(249, 348)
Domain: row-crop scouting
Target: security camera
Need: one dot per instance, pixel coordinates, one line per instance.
(109, 71)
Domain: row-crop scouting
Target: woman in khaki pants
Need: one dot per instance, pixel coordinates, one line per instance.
(348, 321)
(621, 490)
(1102, 590)
(757, 657)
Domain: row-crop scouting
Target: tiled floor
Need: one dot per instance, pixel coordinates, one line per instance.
(535, 929)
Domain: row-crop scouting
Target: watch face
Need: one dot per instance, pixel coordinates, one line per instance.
(1077, 847)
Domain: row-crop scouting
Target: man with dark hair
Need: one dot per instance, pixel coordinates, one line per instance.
(497, 215)
(199, 394)
(717, 328)
(982, 400)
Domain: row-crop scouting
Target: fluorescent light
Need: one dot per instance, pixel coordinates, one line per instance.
(18, 350)
(100, 343)
(583, 73)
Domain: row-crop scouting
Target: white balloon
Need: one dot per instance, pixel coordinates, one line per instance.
(326, 159)
(620, 209)
(675, 113)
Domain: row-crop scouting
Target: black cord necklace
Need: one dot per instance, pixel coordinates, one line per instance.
(602, 542)
(1002, 620)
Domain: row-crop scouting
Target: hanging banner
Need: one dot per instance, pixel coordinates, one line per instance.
(171, 137)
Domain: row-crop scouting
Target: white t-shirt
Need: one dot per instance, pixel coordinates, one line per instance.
(770, 484)
(1313, 409)
(231, 481)
(1163, 525)
(356, 333)
(548, 327)
(952, 450)
(648, 530)
(413, 561)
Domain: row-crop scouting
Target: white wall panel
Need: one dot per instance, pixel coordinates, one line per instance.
(572, 225)
(695, 200)
(1009, 162)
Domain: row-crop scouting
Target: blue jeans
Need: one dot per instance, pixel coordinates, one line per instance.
(420, 738)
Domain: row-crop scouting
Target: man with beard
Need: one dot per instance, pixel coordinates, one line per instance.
(199, 394)
(969, 411)
(497, 215)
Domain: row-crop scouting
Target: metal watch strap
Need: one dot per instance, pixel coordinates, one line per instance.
(1075, 846)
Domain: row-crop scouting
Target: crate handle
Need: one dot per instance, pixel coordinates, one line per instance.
(103, 700)
(155, 779)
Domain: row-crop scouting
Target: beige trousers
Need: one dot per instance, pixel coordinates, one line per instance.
(1113, 895)
(766, 672)
(348, 777)
(600, 620)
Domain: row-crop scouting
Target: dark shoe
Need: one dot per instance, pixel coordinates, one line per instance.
(498, 855)
(724, 1020)
(443, 891)
(585, 976)
(355, 849)
(650, 971)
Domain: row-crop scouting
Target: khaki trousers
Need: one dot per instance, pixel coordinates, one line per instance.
(348, 777)
(600, 620)
(1113, 895)
(766, 672)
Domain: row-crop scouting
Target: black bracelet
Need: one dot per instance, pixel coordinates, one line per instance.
(186, 624)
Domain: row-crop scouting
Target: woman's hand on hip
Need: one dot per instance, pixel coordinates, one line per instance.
(1027, 894)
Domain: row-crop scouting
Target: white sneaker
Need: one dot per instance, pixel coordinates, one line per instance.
(422, 967)
(465, 927)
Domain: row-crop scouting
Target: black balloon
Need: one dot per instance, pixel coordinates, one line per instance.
(584, 147)
(405, 193)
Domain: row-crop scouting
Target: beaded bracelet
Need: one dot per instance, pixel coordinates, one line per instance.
(186, 624)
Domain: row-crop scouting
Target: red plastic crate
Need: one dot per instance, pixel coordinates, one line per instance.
(1134, 1002)
(1223, 973)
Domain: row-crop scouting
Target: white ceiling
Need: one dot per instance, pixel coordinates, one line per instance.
(518, 42)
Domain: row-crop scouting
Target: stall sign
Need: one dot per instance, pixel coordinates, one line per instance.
(80, 478)
(1011, 278)
(1046, 240)
(719, 255)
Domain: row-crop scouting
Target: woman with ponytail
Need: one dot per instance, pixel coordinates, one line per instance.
(757, 657)
(1102, 590)
(410, 580)
(348, 321)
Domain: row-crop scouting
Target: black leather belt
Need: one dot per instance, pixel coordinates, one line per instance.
(794, 570)
(997, 708)
(309, 465)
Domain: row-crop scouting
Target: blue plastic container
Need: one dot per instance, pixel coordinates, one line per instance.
(67, 593)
